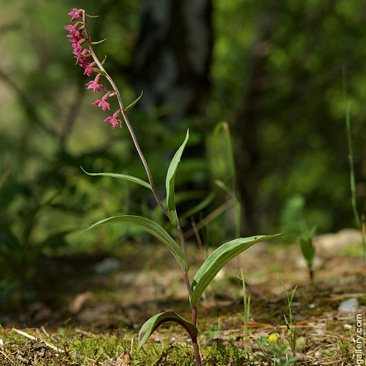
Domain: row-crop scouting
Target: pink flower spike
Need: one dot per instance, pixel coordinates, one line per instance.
(75, 14)
(103, 104)
(113, 121)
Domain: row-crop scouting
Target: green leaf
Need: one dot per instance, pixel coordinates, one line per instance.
(308, 250)
(217, 259)
(134, 102)
(104, 60)
(155, 321)
(170, 180)
(151, 227)
(120, 176)
(200, 206)
(224, 126)
(99, 71)
(98, 42)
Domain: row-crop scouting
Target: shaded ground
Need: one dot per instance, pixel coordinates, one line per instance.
(79, 302)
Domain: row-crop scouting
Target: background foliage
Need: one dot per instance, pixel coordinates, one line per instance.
(280, 73)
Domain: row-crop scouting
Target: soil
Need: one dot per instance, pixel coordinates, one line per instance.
(71, 294)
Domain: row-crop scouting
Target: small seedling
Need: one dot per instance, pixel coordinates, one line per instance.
(212, 333)
(222, 132)
(360, 220)
(246, 301)
(275, 352)
(289, 321)
(308, 250)
(86, 58)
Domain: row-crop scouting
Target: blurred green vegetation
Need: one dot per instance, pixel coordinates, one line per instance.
(49, 127)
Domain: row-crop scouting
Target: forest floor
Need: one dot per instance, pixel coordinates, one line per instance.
(90, 309)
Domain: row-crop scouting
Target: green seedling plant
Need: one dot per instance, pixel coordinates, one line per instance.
(360, 220)
(86, 58)
(222, 132)
(246, 301)
(275, 351)
(289, 321)
(222, 167)
(308, 250)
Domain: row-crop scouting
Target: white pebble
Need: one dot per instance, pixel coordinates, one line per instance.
(349, 306)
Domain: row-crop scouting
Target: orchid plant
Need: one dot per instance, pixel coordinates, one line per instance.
(83, 51)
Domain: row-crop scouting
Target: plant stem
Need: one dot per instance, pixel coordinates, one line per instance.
(144, 162)
(196, 349)
(246, 301)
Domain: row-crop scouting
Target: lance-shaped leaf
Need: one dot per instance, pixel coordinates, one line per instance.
(155, 321)
(99, 42)
(151, 227)
(99, 71)
(199, 207)
(217, 259)
(120, 176)
(308, 250)
(134, 102)
(170, 180)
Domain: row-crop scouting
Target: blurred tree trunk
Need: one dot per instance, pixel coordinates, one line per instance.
(173, 55)
(248, 121)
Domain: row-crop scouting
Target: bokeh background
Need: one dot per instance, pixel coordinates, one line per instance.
(280, 73)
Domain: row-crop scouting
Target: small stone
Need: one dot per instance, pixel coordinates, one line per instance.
(319, 332)
(107, 266)
(79, 301)
(348, 306)
(300, 343)
(347, 326)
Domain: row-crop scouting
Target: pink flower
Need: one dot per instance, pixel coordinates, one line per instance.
(82, 58)
(95, 84)
(88, 66)
(113, 121)
(73, 31)
(103, 104)
(77, 49)
(75, 14)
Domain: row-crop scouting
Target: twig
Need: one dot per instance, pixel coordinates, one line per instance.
(221, 209)
(196, 234)
(84, 333)
(35, 339)
(44, 331)
(7, 357)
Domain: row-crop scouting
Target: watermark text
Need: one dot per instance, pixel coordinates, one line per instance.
(359, 340)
